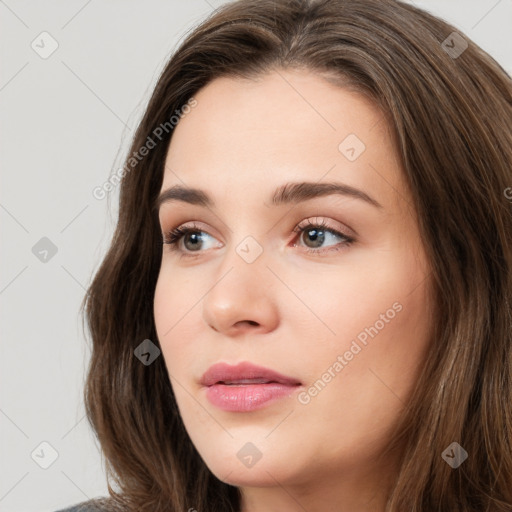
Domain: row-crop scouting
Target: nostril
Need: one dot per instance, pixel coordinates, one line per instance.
(250, 322)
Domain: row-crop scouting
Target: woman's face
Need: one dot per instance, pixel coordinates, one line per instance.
(266, 279)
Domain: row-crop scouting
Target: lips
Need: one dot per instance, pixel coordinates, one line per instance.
(246, 387)
(244, 374)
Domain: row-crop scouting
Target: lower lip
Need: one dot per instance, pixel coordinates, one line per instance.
(246, 397)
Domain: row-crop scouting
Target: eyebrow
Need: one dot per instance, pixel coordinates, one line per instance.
(290, 193)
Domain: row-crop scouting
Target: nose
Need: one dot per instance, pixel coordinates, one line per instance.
(242, 297)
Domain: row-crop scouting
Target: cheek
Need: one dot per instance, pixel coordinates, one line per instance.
(180, 327)
(378, 313)
(163, 307)
(176, 296)
(386, 334)
(172, 305)
(359, 382)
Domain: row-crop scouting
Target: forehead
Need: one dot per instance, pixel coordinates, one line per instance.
(285, 126)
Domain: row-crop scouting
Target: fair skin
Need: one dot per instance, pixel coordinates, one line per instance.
(291, 310)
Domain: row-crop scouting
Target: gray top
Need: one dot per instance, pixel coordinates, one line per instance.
(77, 508)
(84, 506)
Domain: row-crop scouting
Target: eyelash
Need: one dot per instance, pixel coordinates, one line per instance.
(173, 237)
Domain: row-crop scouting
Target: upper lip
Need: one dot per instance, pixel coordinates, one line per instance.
(223, 372)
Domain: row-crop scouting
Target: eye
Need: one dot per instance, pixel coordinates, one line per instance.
(315, 234)
(186, 233)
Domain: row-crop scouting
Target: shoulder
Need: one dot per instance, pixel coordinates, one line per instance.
(87, 506)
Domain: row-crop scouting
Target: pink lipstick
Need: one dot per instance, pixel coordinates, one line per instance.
(245, 387)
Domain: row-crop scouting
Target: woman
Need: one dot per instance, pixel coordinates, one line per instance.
(306, 303)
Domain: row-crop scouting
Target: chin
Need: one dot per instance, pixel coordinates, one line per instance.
(260, 475)
(245, 464)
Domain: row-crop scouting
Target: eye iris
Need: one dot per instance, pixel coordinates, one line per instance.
(194, 236)
(317, 235)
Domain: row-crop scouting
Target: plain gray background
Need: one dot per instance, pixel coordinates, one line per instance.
(66, 120)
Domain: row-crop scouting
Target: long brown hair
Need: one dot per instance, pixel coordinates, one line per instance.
(450, 111)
